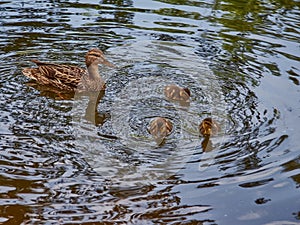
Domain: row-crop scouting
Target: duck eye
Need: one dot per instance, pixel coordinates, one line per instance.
(96, 55)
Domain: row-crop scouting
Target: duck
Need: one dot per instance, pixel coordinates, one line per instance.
(71, 78)
(177, 93)
(160, 128)
(209, 127)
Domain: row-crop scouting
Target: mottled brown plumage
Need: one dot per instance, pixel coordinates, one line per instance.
(160, 128)
(209, 127)
(70, 78)
(176, 93)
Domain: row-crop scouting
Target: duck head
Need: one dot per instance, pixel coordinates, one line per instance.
(95, 57)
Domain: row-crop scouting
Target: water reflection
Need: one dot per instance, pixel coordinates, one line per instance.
(91, 112)
(51, 92)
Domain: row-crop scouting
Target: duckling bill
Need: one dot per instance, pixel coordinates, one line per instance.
(160, 128)
(176, 93)
(209, 127)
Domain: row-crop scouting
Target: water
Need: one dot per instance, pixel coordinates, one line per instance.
(63, 162)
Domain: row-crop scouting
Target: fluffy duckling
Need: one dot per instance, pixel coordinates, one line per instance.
(160, 128)
(71, 78)
(209, 127)
(176, 93)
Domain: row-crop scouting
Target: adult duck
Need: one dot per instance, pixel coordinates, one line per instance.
(71, 78)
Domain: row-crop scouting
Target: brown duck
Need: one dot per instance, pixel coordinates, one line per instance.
(176, 93)
(71, 78)
(209, 127)
(160, 128)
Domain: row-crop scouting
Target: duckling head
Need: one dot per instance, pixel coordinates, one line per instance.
(187, 91)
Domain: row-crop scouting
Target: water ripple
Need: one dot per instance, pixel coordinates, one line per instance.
(66, 165)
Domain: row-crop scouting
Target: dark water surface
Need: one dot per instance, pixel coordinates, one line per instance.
(70, 160)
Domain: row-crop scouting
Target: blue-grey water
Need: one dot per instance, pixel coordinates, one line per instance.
(70, 159)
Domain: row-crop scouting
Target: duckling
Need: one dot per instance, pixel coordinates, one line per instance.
(176, 93)
(71, 78)
(160, 128)
(209, 127)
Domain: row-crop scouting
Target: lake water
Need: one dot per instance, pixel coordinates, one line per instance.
(89, 159)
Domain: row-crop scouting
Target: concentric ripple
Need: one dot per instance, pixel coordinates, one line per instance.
(124, 151)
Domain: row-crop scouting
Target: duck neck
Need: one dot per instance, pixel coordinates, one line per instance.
(93, 71)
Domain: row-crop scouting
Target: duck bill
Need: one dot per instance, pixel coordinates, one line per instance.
(107, 63)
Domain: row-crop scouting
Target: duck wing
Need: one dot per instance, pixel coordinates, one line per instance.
(62, 76)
